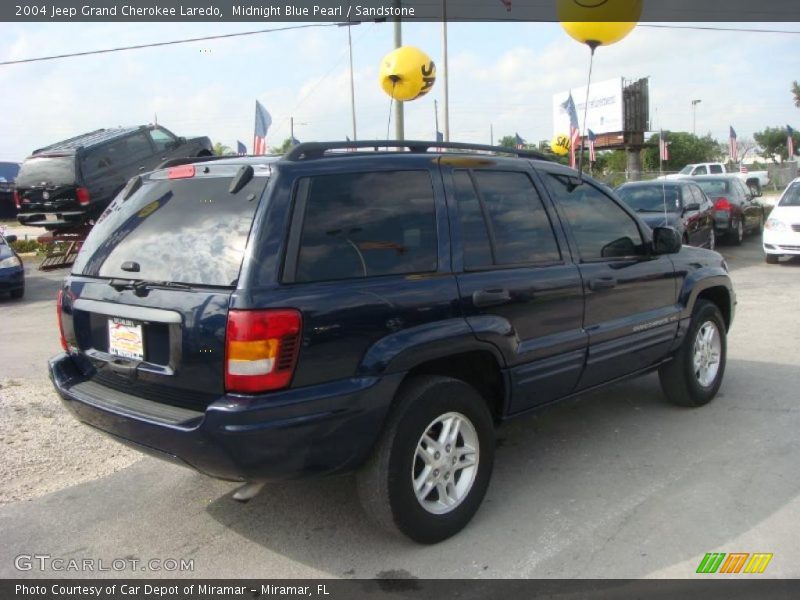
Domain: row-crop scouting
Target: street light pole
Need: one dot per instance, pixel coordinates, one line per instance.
(399, 125)
(446, 74)
(694, 115)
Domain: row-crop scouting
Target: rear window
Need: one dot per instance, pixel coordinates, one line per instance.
(717, 187)
(368, 224)
(50, 170)
(187, 231)
(651, 198)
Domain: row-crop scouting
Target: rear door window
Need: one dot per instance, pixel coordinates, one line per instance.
(358, 225)
(503, 220)
(715, 169)
(187, 231)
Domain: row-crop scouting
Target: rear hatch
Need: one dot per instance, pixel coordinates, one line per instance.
(47, 189)
(147, 300)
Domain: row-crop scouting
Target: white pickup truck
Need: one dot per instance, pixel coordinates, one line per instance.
(755, 180)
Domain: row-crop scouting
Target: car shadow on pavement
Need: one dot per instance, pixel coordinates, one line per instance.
(617, 483)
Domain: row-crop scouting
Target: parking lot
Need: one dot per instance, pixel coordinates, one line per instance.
(617, 483)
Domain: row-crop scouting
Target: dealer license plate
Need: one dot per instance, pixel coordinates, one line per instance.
(51, 217)
(125, 339)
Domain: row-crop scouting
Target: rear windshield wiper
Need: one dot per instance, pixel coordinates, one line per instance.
(138, 285)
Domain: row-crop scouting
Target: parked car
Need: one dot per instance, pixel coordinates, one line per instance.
(71, 182)
(8, 173)
(736, 209)
(755, 180)
(680, 204)
(12, 272)
(782, 229)
(261, 319)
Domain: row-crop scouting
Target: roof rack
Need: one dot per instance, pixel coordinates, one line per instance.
(314, 150)
(84, 140)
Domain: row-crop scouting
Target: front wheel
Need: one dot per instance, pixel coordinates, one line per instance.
(772, 259)
(430, 471)
(694, 375)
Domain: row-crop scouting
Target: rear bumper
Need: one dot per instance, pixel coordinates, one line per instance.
(318, 430)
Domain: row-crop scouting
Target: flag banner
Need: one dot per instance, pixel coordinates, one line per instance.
(241, 149)
(574, 130)
(519, 142)
(263, 121)
(663, 147)
(790, 142)
(592, 142)
(732, 146)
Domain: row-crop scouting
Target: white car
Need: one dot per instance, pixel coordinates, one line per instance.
(782, 229)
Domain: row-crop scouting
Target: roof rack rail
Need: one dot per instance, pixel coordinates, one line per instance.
(314, 150)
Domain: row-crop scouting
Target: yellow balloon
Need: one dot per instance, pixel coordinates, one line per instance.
(599, 22)
(407, 73)
(560, 145)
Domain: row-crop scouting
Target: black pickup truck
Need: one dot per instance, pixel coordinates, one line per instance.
(71, 182)
(346, 307)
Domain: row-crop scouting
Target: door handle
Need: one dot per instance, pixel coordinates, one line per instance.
(602, 283)
(494, 297)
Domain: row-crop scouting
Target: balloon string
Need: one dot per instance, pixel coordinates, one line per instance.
(391, 103)
(586, 110)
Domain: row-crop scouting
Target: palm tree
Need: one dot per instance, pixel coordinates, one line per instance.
(221, 149)
(796, 92)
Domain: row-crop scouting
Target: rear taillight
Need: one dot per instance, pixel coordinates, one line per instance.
(261, 349)
(59, 300)
(181, 172)
(83, 196)
(17, 200)
(722, 204)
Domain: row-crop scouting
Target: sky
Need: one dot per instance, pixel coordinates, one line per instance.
(502, 76)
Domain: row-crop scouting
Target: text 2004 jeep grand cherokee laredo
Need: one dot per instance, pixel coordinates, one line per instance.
(260, 318)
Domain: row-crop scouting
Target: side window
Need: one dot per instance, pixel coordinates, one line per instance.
(137, 146)
(715, 169)
(601, 228)
(474, 236)
(367, 224)
(701, 170)
(161, 139)
(518, 230)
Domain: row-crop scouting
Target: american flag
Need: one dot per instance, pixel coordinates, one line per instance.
(790, 141)
(519, 142)
(263, 121)
(592, 140)
(507, 4)
(439, 138)
(663, 146)
(743, 168)
(241, 149)
(734, 151)
(574, 130)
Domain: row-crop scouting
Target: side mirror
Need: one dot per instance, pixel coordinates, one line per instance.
(11, 238)
(666, 240)
(691, 207)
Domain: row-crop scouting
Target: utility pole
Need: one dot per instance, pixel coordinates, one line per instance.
(291, 130)
(446, 74)
(436, 113)
(399, 125)
(491, 134)
(694, 115)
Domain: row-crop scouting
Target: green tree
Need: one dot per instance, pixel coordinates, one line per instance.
(221, 149)
(772, 142)
(283, 148)
(796, 93)
(507, 141)
(684, 149)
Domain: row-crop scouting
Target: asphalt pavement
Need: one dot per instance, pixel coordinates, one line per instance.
(617, 483)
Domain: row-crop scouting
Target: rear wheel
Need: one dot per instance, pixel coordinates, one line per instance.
(430, 471)
(694, 375)
(17, 294)
(772, 259)
(737, 233)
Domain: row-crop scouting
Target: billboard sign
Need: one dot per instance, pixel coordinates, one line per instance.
(605, 108)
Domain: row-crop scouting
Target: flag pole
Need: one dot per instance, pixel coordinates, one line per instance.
(399, 124)
(446, 75)
(592, 47)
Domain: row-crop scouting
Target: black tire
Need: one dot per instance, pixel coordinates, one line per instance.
(678, 377)
(772, 259)
(385, 483)
(17, 294)
(736, 235)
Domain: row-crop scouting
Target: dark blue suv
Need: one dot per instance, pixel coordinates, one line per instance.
(349, 307)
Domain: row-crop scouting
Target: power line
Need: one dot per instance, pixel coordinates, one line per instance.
(169, 43)
(709, 28)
